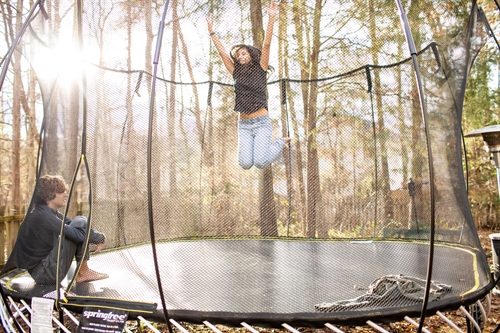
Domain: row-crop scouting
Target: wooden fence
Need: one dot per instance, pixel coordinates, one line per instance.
(10, 221)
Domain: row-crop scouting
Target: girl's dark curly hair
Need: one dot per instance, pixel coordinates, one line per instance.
(255, 54)
(47, 187)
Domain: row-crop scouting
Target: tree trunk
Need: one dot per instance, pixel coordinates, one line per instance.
(171, 114)
(383, 134)
(313, 183)
(16, 118)
(268, 222)
(303, 59)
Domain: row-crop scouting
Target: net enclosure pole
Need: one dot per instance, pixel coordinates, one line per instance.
(413, 52)
(6, 60)
(156, 60)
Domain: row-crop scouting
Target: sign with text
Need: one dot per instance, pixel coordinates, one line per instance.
(102, 320)
(41, 316)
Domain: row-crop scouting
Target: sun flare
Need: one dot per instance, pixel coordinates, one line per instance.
(62, 62)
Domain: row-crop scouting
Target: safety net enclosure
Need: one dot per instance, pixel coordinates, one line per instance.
(342, 228)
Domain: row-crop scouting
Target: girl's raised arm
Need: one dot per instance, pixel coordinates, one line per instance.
(219, 47)
(266, 47)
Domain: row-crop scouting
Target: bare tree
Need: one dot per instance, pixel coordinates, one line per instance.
(171, 112)
(297, 199)
(16, 115)
(268, 222)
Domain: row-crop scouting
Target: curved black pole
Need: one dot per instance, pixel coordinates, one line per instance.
(150, 138)
(83, 158)
(6, 60)
(289, 188)
(490, 29)
(413, 52)
(369, 90)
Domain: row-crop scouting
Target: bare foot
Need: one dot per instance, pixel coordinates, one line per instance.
(90, 275)
(287, 139)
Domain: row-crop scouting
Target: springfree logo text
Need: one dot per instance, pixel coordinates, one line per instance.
(106, 316)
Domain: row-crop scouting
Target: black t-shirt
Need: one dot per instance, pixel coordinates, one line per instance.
(38, 234)
(250, 88)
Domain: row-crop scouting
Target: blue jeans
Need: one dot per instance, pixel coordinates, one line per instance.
(254, 143)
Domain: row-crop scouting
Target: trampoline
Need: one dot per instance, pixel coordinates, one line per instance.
(364, 217)
(254, 277)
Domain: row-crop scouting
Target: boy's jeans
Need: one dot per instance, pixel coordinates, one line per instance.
(46, 271)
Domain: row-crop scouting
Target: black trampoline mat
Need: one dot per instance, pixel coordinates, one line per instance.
(267, 276)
